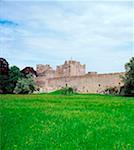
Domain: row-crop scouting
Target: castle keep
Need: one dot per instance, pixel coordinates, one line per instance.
(73, 74)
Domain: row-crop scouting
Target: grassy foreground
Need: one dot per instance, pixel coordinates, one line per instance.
(56, 122)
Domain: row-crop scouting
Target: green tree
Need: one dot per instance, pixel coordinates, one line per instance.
(129, 78)
(3, 83)
(67, 91)
(14, 75)
(25, 85)
(4, 71)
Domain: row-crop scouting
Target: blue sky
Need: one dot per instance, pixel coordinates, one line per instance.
(96, 33)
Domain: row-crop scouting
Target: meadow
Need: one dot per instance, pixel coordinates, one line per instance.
(58, 122)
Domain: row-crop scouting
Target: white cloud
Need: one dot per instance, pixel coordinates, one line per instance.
(96, 33)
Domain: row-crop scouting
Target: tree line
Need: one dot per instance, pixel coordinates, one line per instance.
(14, 80)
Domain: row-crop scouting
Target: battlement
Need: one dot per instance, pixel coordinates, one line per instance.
(69, 68)
(73, 73)
(42, 70)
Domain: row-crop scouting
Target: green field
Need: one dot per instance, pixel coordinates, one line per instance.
(57, 122)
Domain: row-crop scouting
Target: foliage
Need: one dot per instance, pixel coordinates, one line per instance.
(129, 78)
(14, 75)
(4, 70)
(64, 91)
(84, 122)
(16, 82)
(25, 85)
(67, 91)
(3, 83)
(112, 90)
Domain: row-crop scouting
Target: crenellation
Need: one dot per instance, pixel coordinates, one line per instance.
(73, 74)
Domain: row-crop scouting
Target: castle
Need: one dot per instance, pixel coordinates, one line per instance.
(73, 74)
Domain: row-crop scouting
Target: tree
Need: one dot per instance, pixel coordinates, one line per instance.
(25, 85)
(14, 75)
(3, 83)
(4, 72)
(129, 78)
(28, 70)
(67, 91)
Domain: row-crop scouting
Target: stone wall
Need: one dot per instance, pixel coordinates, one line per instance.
(69, 68)
(72, 74)
(45, 70)
(83, 84)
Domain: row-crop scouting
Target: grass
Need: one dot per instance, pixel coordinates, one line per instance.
(57, 122)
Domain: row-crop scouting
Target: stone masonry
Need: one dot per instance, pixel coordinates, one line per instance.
(73, 74)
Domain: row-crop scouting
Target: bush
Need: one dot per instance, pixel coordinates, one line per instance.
(129, 78)
(112, 90)
(25, 85)
(67, 91)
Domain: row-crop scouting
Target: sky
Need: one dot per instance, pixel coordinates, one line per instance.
(99, 34)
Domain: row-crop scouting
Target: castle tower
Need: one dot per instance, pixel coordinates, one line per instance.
(45, 70)
(70, 68)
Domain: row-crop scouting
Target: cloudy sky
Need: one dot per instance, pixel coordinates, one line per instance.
(99, 34)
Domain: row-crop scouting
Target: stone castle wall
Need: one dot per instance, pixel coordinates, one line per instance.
(83, 84)
(75, 76)
(69, 68)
